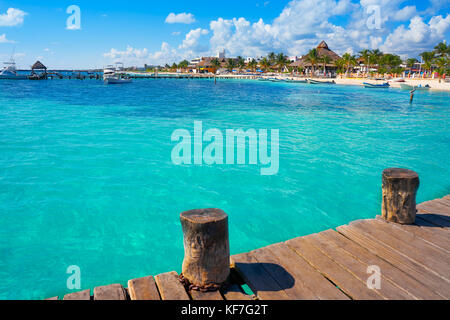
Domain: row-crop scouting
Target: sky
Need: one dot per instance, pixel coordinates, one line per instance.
(158, 32)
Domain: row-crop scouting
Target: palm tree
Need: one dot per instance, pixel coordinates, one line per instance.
(272, 57)
(428, 57)
(240, 63)
(375, 56)
(253, 64)
(442, 49)
(265, 63)
(443, 64)
(230, 64)
(281, 61)
(215, 63)
(365, 56)
(312, 57)
(340, 64)
(325, 60)
(350, 60)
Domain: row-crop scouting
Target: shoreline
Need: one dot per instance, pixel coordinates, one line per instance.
(435, 84)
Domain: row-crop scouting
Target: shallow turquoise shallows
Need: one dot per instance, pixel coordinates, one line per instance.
(86, 176)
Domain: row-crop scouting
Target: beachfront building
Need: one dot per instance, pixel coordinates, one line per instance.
(322, 50)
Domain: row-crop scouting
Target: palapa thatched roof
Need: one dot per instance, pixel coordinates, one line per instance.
(322, 50)
(38, 66)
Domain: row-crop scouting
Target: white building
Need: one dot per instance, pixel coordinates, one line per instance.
(221, 54)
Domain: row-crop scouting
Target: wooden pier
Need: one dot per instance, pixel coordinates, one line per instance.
(412, 261)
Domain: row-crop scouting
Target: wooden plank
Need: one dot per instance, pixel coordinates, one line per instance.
(412, 232)
(352, 286)
(296, 290)
(211, 295)
(303, 272)
(431, 258)
(257, 278)
(81, 295)
(52, 298)
(111, 292)
(357, 268)
(410, 267)
(170, 287)
(235, 292)
(444, 201)
(434, 218)
(143, 289)
(395, 275)
(435, 207)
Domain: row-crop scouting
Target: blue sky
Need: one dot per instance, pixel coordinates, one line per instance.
(138, 32)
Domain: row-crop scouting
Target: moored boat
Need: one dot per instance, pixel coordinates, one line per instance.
(311, 81)
(410, 87)
(110, 76)
(9, 72)
(372, 85)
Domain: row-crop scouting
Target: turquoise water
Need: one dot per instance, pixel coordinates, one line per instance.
(86, 176)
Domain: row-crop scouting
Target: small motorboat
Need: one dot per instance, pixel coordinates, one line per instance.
(296, 81)
(410, 87)
(372, 85)
(311, 81)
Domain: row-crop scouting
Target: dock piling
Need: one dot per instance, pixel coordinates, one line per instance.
(399, 195)
(206, 262)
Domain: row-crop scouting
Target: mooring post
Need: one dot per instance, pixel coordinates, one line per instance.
(399, 195)
(206, 262)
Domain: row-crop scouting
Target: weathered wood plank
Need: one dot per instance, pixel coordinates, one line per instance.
(170, 287)
(357, 268)
(434, 219)
(111, 292)
(234, 292)
(338, 275)
(428, 256)
(143, 289)
(412, 232)
(257, 278)
(81, 295)
(211, 295)
(435, 206)
(444, 201)
(296, 290)
(415, 270)
(303, 272)
(395, 275)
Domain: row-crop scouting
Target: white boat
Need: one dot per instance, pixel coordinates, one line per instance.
(9, 72)
(410, 87)
(110, 76)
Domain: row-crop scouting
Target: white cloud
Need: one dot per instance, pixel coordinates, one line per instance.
(176, 33)
(192, 40)
(12, 17)
(405, 14)
(186, 18)
(3, 39)
(418, 36)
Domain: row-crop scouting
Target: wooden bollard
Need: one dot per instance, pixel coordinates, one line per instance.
(206, 247)
(399, 195)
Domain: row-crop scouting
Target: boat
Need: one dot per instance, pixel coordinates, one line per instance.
(311, 81)
(296, 81)
(410, 87)
(110, 76)
(9, 72)
(372, 85)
